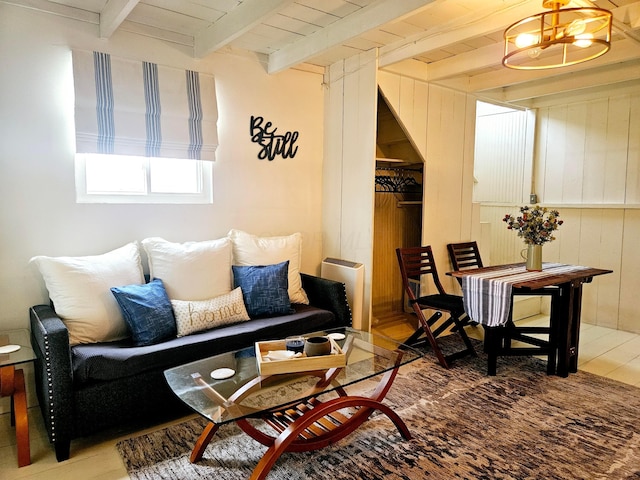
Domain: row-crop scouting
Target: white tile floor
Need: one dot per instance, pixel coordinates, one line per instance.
(603, 351)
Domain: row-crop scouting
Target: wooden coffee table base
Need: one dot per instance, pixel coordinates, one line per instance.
(310, 425)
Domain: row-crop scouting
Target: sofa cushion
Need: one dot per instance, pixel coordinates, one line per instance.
(264, 288)
(147, 312)
(254, 250)
(110, 361)
(195, 316)
(191, 270)
(79, 288)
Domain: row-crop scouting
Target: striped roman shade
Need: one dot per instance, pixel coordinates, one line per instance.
(128, 107)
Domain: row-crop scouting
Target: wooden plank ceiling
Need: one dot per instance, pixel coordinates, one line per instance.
(455, 43)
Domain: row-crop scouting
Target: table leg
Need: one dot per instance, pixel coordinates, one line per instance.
(554, 325)
(492, 346)
(565, 323)
(12, 384)
(21, 419)
(204, 440)
(575, 327)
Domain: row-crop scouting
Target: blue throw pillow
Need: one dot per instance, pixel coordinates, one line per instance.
(147, 312)
(264, 288)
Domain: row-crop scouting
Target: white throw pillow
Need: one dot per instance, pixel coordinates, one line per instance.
(253, 250)
(191, 270)
(80, 290)
(206, 314)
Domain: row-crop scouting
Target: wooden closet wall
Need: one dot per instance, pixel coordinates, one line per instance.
(398, 208)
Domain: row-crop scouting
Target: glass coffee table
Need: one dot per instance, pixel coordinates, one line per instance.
(305, 410)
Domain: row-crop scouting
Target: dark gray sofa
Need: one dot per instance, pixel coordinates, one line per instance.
(88, 388)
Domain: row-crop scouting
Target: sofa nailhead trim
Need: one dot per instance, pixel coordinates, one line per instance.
(50, 384)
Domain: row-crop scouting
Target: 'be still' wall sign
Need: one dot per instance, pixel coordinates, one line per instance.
(272, 145)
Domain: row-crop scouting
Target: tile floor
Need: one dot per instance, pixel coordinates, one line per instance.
(603, 351)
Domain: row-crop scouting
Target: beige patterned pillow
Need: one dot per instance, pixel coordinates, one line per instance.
(195, 316)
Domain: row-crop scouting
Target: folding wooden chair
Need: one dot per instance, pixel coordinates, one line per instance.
(464, 255)
(415, 263)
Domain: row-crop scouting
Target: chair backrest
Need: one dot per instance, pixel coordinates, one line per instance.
(414, 263)
(464, 255)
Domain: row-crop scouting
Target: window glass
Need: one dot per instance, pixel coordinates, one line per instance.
(115, 174)
(125, 179)
(174, 176)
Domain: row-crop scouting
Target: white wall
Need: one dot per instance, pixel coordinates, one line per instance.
(38, 213)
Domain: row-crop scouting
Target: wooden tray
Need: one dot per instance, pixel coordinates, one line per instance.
(336, 358)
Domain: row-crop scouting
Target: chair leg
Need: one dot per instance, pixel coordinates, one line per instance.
(431, 335)
(415, 336)
(465, 338)
(425, 329)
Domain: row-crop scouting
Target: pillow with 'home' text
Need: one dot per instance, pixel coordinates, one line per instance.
(196, 316)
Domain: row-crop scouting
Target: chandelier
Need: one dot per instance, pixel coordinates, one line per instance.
(557, 38)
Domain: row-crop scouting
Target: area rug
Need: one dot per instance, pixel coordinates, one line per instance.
(519, 424)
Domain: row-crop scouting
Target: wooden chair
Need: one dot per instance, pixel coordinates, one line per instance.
(415, 263)
(466, 255)
(463, 256)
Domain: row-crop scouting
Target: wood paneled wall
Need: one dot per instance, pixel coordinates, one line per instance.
(349, 164)
(395, 226)
(442, 125)
(587, 165)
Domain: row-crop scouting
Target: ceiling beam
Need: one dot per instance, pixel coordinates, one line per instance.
(56, 9)
(458, 30)
(475, 25)
(237, 22)
(366, 19)
(483, 57)
(621, 51)
(113, 14)
(573, 82)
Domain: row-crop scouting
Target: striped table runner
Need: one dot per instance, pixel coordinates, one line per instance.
(487, 296)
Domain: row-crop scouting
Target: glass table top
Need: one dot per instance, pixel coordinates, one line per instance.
(12, 339)
(247, 394)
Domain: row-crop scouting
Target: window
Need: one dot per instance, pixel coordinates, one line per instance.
(145, 133)
(128, 179)
(503, 157)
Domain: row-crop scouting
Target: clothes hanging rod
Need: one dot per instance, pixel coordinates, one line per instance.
(397, 184)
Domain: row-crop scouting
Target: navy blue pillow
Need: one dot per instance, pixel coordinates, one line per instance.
(264, 288)
(147, 312)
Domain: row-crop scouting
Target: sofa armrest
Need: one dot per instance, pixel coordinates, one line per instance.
(329, 295)
(54, 380)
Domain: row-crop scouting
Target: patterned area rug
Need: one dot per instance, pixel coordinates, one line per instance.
(520, 424)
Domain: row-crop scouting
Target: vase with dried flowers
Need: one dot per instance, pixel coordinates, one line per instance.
(535, 225)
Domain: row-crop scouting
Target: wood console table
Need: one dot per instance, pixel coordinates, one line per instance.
(566, 305)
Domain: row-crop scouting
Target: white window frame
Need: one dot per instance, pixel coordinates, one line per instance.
(205, 196)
